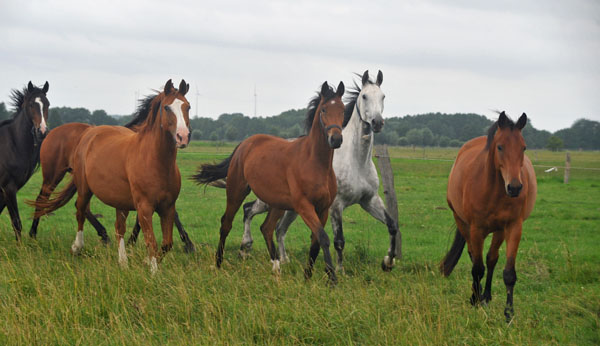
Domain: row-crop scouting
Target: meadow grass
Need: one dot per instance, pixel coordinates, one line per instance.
(48, 296)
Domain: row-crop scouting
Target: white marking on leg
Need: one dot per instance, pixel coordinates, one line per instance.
(389, 261)
(43, 125)
(122, 253)
(78, 243)
(153, 265)
(276, 269)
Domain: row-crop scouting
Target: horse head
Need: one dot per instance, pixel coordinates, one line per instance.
(331, 114)
(35, 104)
(369, 103)
(175, 109)
(507, 145)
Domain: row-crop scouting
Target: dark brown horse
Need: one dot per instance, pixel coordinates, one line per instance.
(56, 160)
(491, 189)
(131, 171)
(20, 139)
(288, 176)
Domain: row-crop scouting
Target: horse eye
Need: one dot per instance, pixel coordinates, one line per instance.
(364, 97)
(166, 108)
(524, 148)
(499, 148)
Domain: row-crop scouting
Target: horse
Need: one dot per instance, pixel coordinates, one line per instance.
(491, 189)
(55, 160)
(20, 139)
(355, 171)
(295, 175)
(131, 171)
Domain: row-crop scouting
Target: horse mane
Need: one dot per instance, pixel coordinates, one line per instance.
(313, 104)
(17, 99)
(492, 130)
(142, 111)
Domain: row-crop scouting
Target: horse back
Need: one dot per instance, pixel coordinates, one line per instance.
(58, 148)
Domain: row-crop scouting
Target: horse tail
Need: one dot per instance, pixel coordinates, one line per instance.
(208, 173)
(47, 205)
(452, 257)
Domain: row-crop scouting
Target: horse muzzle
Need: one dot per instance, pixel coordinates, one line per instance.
(377, 124)
(513, 189)
(335, 140)
(182, 138)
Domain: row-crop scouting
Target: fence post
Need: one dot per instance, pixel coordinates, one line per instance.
(567, 167)
(387, 176)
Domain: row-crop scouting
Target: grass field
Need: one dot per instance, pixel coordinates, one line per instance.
(48, 296)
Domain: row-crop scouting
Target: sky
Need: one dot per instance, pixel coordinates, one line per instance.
(541, 57)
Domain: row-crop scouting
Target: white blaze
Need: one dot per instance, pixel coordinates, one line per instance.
(43, 126)
(176, 108)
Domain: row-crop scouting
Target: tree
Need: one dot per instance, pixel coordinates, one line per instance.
(443, 141)
(414, 137)
(99, 117)
(555, 143)
(54, 118)
(231, 133)
(427, 136)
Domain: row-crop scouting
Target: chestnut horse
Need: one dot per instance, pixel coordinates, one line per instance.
(56, 157)
(20, 139)
(295, 175)
(131, 171)
(491, 189)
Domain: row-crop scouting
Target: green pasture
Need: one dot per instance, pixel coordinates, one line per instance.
(48, 296)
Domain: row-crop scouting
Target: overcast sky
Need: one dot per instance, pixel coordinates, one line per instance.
(539, 57)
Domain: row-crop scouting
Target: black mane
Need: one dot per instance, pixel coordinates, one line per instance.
(313, 105)
(492, 130)
(17, 100)
(143, 110)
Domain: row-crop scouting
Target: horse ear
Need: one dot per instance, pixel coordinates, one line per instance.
(379, 78)
(503, 120)
(183, 87)
(340, 90)
(365, 77)
(46, 87)
(521, 122)
(168, 87)
(30, 86)
(324, 89)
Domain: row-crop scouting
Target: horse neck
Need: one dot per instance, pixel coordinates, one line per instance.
(159, 143)
(361, 148)
(22, 131)
(319, 149)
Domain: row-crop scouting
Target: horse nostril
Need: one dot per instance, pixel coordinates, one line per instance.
(179, 138)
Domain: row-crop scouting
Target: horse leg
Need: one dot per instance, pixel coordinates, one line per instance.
(144, 214)
(45, 192)
(490, 261)
(338, 233)
(475, 246)
(185, 238)
(83, 200)
(237, 190)
(267, 229)
(315, 222)
(97, 226)
(282, 227)
(167, 217)
(376, 208)
(13, 209)
(120, 228)
(513, 237)
(135, 232)
(251, 209)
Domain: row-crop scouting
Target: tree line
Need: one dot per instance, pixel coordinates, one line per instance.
(431, 129)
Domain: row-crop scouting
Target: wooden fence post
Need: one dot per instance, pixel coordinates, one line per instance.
(391, 201)
(567, 168)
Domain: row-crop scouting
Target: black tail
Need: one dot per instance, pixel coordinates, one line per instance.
(48, 205)
(453, 255)
(208, 173)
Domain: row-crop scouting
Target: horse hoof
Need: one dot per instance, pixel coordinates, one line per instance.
(475, 300)
(387, 264)
(285, 259)
(307, 274)
(340, 270)
(243, 254)
(33, 235)
(509, 313)
(75, 250)
(276, 269)
(189, 248)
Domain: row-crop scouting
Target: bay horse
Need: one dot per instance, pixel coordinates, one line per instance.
(20, 139)
(56, 157)
(131, 171)
(491, 189)
(355, 171)
(295, 175)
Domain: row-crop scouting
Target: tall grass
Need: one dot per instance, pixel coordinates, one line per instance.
(48, 296)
